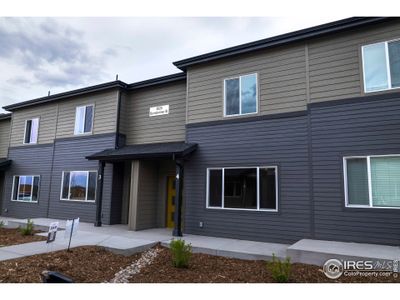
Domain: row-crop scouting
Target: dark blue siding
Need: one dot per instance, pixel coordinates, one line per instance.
(282, 142)
(358, 128)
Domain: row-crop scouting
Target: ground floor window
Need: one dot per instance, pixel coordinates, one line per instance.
(79, 185)
(253, 188)
(25, 188)
(372, 181)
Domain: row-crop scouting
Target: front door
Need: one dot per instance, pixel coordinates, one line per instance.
(170, 201)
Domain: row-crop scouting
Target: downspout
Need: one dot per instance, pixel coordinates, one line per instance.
(117, 145)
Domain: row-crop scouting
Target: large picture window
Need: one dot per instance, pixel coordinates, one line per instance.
(25, 188)
(381, 65)
(240, 95)
(79, 185)
(253, 188)
(84, 119)
(372, 181)
(31, 131)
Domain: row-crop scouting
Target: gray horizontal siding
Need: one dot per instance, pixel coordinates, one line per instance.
(4, 137)
(32, 160)
(139, 128)
(281, 142)
(364, 128)
(69, 155)
(335, 64)
(281, 75)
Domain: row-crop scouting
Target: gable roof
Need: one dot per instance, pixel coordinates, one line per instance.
(278, 40)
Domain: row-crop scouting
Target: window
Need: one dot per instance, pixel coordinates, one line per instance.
(84, 119)
(372, 181)
(381, 64)
(25, 188)
(79, 185)
(240, 95)
(254, 188)
(31, 131)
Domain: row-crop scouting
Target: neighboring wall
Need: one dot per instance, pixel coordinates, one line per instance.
(4, 137)
(57, 120)
(335, 61)
(290, 76)
(140, 128)
(281, 82)
(366, 127)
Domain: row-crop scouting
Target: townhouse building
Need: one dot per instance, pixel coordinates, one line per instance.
(290, 137)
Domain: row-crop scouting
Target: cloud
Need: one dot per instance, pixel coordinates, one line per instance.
(55, 54)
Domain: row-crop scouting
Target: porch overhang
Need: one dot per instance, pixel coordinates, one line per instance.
(4, 163)
(174, 150)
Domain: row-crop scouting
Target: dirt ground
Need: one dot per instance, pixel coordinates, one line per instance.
(94, 264)
(213, 269)
(9, 237)
(83, 264)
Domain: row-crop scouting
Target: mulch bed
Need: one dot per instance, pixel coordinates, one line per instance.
(94, 264)
(9, 237)
(82, 264)
(205, 268)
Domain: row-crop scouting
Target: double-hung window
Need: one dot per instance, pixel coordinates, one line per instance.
(240, 95)
(381, 65)
(372, 181)
(31, 131)
(79, 185)
(84, 119)
(25, 188)
(253, 188)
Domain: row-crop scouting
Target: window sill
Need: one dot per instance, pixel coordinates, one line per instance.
(79, 201)
(21, 201)
(352, 207)
(242, 209)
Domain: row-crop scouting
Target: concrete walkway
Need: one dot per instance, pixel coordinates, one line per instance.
(119, 239)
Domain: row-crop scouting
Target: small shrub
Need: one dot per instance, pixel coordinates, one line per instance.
(1, 224)
(28, 229)
(280, 269)
(181, 253)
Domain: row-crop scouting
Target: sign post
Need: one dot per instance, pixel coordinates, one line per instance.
(70, 229)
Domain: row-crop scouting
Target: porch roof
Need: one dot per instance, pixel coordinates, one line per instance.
(142, 151)
(4, 163)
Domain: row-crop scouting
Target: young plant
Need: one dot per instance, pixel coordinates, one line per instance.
(181, 253)
(280, 269)
(1, 224)
(28, 229)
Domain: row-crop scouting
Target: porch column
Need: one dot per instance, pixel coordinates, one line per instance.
(99, 192)
(178, 199)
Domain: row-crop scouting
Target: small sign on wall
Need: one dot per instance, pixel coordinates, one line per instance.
(159, 110)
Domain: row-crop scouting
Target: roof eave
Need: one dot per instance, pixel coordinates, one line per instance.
(279, 40)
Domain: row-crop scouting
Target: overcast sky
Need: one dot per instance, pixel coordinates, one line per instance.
(60, 54)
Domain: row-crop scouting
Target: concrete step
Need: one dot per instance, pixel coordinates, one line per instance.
(317, 252)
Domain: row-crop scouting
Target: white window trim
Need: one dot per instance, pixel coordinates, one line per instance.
(386, 43)
(258, 189)
(13, 189)
(368, 158)
(84, 120)
(37, 140)
(240, 95)
(69, 187)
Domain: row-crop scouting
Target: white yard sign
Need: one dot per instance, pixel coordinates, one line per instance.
(159, 110)
(51, 235)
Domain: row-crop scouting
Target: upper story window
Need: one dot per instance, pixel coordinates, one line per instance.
(84, 119)
(381, 65)
(25, 188)
(31, 131)
(240, 95)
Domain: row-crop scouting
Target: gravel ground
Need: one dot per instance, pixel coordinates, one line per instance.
(9, 237)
